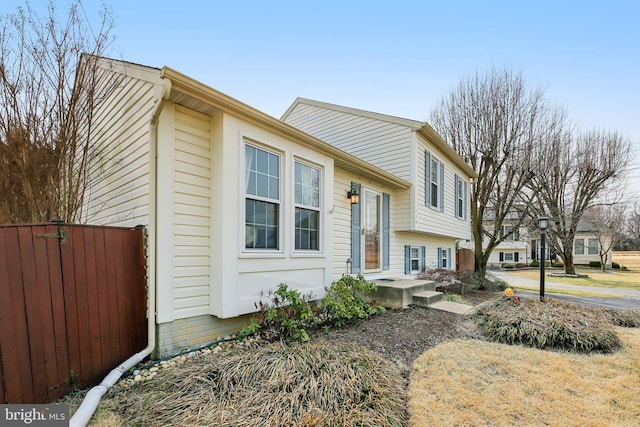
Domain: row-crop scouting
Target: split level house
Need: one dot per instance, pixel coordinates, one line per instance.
(236, 201)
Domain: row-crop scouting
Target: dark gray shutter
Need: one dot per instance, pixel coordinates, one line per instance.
(407, 259)
(441, 187)
(386, 241)
(427, 178)
(355, 233)
(516, 256)
(456, 196)
(423, 257)
(501, 256)
(464, 201)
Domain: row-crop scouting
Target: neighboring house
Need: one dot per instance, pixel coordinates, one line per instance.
(429, 218)
(515, 249)
(587, 245)
(237, 202)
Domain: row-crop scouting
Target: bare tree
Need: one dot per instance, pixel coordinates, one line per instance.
(631, 229)
(575, 173)
(494, 121)
(47, 96)
(606, 222)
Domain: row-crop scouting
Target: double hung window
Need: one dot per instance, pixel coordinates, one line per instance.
(262, 199)
(307, 207)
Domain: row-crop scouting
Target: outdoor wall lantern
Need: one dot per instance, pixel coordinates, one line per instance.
(543, 223)
(353, 196)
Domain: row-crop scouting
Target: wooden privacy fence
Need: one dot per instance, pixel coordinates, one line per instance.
(72, 306)
(465, 261)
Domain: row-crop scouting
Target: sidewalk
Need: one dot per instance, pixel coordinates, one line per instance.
(550, 286)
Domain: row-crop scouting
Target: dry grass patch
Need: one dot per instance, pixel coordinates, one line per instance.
(470, 382)
(611, 279)
(274, 385)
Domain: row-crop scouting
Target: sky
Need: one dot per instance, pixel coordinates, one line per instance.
(395, 57)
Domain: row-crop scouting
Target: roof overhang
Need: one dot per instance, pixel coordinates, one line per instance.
(434, 138)
(194, 95)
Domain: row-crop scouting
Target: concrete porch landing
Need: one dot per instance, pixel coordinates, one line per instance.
(399, 293)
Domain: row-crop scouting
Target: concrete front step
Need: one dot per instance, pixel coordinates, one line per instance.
(399, 293)
(451, 307)
(427, 298)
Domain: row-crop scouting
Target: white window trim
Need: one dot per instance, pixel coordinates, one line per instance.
(437, 183)
(460, 200)
(583, 247)
(257, 252)
(307, 252)
(378, 194)
(411, 259)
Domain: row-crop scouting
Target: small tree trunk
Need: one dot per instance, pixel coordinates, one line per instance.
(569, 268)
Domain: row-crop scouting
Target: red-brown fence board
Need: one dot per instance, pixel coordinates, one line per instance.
(70, 309)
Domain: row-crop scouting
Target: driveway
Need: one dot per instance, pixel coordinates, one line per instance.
(620, 298)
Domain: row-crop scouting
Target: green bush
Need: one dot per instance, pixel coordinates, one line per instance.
(595, 264)
(615, 265)
(287, 317)
(508, 266)
(534, 263)
(290, 315)
(345, 301)
(549, 324)
(558, 264)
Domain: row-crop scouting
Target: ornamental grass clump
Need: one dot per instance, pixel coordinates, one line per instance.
(309, 384)
(553, 324)
(629, 318)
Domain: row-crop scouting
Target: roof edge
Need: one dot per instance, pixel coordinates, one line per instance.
(189, 86)
(413, 124)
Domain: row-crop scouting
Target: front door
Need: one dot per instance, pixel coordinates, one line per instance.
(371, 230)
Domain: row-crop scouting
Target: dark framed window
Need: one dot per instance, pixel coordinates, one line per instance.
(434, 182)
(262, 199)
(307, 207)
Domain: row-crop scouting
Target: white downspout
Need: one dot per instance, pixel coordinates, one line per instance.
(90, 403)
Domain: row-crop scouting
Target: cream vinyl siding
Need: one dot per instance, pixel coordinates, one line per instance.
(430, 219)
(398, 239)
(341, 221)
(192, 214)
(118, 191)
(243, 277)
(383, 144)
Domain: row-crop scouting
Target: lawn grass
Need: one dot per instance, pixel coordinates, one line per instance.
(610, 279)
(471, 382)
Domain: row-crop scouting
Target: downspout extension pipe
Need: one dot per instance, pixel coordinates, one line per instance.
(92, 399)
